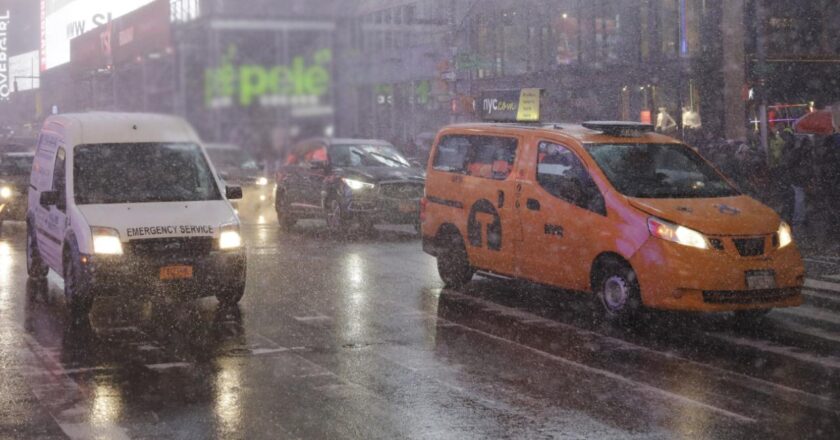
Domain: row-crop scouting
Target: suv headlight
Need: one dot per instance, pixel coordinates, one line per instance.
(262, 181)
(229, 237)
(356, 185)
(784, 234)
(106, 241)
(678, 234)
(5, 192)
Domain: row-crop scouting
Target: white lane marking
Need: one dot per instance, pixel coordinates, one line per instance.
(811, 313)
(315, 318)
(826, 296)
(762, 386)
(832, 277)
(822, 285)
(792, 352)
(640, 385)
(262, 351)
(810, 331)
(64, 399)
(168, 365)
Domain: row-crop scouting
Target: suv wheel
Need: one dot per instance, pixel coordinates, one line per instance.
(77, 286)
(453, 262)
(35, 267)
(336, 217)
(286, 220)
(618, 291)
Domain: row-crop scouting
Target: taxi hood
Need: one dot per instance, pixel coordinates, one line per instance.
(160, 220)
(739, 215)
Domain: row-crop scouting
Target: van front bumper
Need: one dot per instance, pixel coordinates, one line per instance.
(677, 277)
(127, 274)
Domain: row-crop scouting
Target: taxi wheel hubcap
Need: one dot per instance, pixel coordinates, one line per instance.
(615, 293)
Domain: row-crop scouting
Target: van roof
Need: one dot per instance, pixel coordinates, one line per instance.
(109, 127)
(576, 131)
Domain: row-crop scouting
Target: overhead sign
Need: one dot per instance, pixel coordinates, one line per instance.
(510, 105)
(5, 85)
(24, 72)
(63, 20)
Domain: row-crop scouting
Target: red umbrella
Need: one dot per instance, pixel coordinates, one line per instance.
(817, 122)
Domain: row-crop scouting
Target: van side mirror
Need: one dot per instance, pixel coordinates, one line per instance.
(233, 192)
(49, 198)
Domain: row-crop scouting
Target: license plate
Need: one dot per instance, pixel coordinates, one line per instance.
(409, 207)
(761, 279)
(176, 272)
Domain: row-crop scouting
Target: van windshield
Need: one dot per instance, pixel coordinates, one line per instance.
(141, 173)
(659, 171)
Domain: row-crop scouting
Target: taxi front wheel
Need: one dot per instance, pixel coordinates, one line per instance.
(453, 263)
(618, 290)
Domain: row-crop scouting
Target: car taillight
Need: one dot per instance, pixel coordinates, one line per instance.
(423, 203)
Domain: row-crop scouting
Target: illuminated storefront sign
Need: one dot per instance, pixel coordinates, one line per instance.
(304, 82)
(63, 20)
(5, 87)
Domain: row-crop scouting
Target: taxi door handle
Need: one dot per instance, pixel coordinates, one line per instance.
(533, 204)
(501, 199)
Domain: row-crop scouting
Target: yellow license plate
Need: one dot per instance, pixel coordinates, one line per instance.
(407, 207)
(176, 272)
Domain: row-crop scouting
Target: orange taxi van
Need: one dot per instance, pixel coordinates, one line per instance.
(612, 208)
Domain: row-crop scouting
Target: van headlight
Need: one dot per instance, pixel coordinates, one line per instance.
(106, 241)
(262, 181)
(784, 234)
(229, 237)
(5, 192)
(678, 234)
(356, 185)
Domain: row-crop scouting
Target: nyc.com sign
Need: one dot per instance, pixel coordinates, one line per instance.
(303, 82)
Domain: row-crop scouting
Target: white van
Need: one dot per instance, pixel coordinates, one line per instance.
(126, 202)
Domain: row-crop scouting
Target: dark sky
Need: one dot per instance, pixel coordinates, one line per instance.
(24, 31)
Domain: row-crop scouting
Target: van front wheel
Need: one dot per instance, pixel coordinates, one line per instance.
(35, 267)
(230, 293)
(77, 286)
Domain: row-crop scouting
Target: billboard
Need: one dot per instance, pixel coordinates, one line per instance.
(24, 71)
(63, 20)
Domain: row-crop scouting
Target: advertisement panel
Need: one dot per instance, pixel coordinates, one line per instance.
(24, 71)
(5, 85)
(63, 20)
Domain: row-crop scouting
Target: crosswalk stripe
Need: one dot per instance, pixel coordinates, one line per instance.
(811, 313)
(822, 285)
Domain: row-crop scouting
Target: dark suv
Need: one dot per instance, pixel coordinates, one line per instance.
(348, 180)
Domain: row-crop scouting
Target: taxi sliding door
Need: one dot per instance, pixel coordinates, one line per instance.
(561, 212)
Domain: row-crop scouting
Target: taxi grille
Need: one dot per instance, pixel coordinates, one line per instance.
(748, 296)
(749, 247)
(168, 248)
(402, 191)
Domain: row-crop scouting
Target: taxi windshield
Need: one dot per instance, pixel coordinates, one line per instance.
(141, 173)
(659, 171)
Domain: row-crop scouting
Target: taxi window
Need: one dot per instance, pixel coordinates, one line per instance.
(488, 157)
(563, 175)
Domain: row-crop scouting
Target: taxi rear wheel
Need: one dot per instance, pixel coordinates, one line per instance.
(453, 262)
(618, 291)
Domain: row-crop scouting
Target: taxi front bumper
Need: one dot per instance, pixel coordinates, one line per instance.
(131, 274)
(677, 277)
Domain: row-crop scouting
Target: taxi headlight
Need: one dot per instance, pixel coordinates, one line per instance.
(229, 238)
(5, 192)
(262, 181)
(676, 233)
(106, 241)
(356, 185)
(785, 235)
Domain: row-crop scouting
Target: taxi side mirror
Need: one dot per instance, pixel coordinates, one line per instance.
(49, 198)
(233, 192)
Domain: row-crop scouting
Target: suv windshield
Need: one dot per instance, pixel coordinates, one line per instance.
(365, 155)
(659, 171)
(232, 158)
(140, 173)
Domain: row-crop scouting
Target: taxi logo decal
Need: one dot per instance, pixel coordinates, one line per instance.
(728, 210)
(475, 227)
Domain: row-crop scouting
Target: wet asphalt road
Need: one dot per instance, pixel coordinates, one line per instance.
(357, 339)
